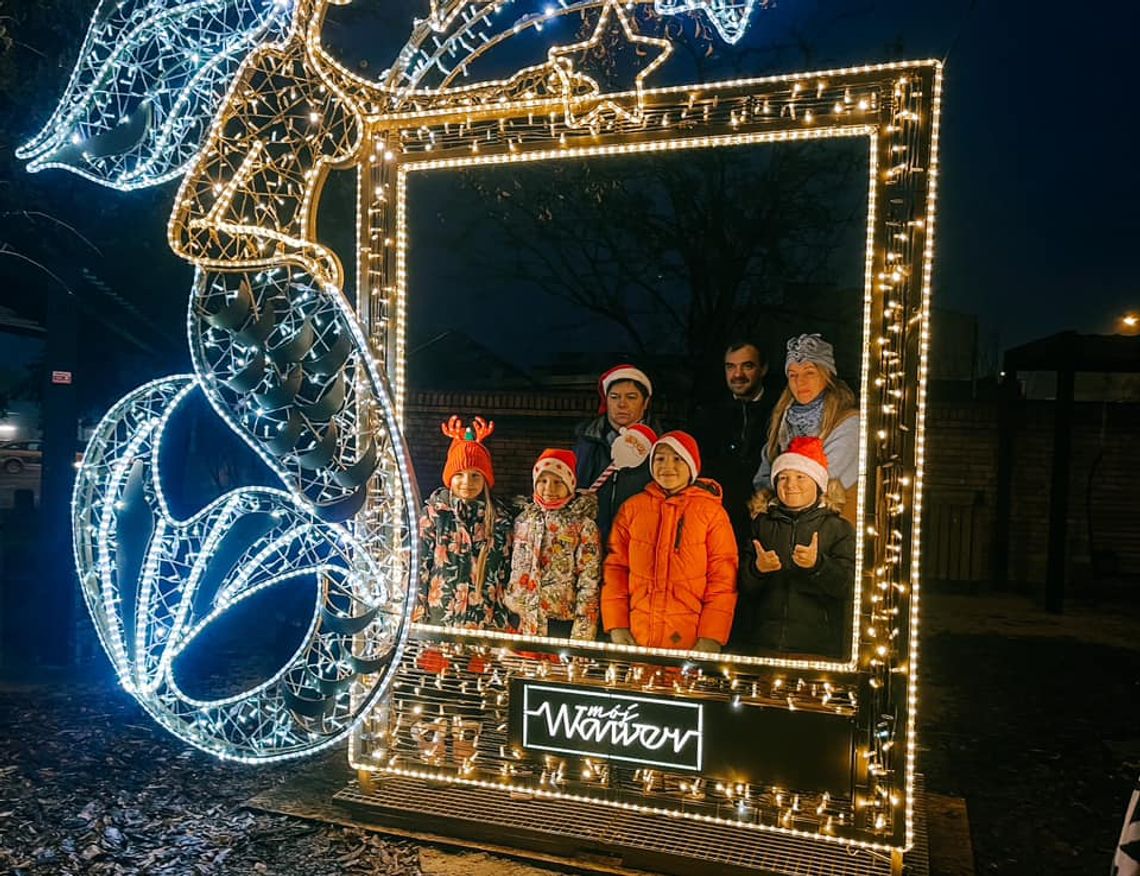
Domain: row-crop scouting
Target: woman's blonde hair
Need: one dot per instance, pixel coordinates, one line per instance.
(838, 405)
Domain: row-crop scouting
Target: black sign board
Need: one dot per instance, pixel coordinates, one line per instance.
(593, 722)
(717, 739)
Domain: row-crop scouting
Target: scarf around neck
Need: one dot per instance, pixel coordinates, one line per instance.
(802, 421)
(552, 506)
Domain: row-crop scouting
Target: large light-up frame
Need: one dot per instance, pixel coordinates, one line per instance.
(281, 356)
(895, 107)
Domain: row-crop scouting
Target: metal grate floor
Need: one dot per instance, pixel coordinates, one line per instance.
(598, 837)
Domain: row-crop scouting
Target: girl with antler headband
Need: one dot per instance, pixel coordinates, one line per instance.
(465, 538)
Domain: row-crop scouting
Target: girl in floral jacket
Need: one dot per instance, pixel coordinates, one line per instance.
(465, 538)
(556, 559)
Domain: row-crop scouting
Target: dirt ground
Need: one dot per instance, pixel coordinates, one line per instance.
(1030, 717)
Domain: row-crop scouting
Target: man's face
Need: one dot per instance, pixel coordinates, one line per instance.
(743, 371)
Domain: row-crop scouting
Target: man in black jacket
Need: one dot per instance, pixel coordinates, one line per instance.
(733, 430)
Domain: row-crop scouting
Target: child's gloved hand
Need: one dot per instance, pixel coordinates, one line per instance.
(708, 646)
(622, 636)
(766, 561)
(805, 556)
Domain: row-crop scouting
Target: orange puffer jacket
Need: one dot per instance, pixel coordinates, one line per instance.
(670, 575)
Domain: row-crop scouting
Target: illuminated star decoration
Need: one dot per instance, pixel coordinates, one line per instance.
(729, 17)
(630, 108)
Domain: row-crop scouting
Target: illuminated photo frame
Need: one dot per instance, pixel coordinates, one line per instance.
(451, 680)
(254, 113)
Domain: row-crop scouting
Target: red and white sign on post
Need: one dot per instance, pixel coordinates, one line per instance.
(62, 378)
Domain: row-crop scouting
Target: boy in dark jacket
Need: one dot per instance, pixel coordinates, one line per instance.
(798, 575)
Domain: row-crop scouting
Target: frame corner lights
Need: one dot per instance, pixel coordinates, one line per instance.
(811, 747)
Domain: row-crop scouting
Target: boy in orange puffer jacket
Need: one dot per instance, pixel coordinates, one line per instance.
(670, 575)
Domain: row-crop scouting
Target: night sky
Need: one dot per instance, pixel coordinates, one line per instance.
(1038, 184)
(1039, 178)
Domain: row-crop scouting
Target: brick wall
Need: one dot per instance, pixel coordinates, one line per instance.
(1104, 439)
(526, 423)
(960, 490)
(961, 476)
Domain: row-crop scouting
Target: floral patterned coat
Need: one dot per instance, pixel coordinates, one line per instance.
(452, 534)
(556, 567)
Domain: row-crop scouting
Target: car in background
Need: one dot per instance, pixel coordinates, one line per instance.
(15, 456)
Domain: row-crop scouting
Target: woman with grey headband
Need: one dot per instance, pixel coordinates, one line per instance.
(815, 403)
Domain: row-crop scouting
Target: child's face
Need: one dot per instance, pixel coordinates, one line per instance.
(796, 490)
(625, 405)
(669, 470)
(467, 485)
(550, 488)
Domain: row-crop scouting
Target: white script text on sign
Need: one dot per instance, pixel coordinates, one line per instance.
(594, 723)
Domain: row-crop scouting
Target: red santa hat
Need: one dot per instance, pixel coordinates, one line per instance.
(624, 371)
(560, 463)
(685, 446)
(806, 456)
(467, 452)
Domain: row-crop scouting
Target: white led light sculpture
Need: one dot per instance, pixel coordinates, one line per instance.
(191, 571)
(150, 77)
(729, 17)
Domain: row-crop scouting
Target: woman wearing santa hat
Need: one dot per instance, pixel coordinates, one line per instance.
(625, 392)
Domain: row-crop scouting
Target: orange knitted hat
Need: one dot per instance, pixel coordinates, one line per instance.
(467, 451)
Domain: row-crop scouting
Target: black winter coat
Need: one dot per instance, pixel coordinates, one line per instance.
(731, 435)
(793, 609)
(592, 446)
